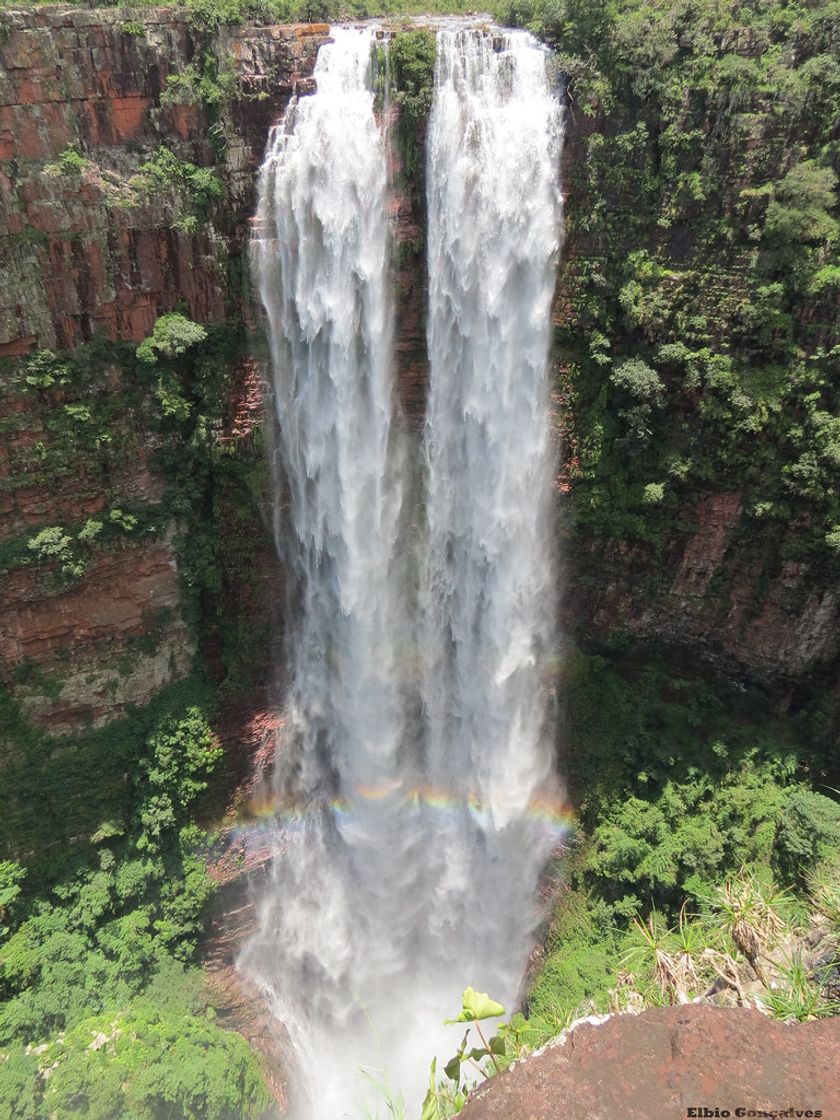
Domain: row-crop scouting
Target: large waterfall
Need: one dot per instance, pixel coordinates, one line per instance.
(414, 766)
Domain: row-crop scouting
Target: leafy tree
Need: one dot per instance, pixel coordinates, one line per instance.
(172, 336)
(809, 830)
(11, 877)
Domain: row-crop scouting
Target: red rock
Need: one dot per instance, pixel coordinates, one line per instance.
(658, 1065)
(17, 347)
(75, 77)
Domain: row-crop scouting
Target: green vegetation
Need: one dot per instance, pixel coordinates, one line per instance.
(103, 1013)
(70, 162)
(193, 189)
(201, 83)
(693, 806)
(412, 63)
(702, 232)
(210, 14)
(446, 1098)
(103, 889)
(702, 236)
(172, 336)
(103, 405)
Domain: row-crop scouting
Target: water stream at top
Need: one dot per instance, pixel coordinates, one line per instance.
(416, 743)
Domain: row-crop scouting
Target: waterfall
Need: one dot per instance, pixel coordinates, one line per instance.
(407, 840)
(493, 238)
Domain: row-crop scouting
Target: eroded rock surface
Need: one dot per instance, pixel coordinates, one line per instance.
(666, 1061)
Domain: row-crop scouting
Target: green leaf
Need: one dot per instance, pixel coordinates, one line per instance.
(452, 1069)
(498, 1045)
(431, 1102)
(477, 1005)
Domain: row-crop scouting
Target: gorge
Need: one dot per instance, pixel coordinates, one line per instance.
(154, 572)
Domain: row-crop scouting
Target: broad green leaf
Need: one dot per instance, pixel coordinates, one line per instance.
(477, 1005)
(452, 1069)
(498, 1045)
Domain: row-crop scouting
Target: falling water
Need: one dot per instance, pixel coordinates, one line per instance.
(416, 738)
(494, 228)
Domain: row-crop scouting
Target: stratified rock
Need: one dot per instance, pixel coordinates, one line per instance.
(665, 1062)
(82, 253)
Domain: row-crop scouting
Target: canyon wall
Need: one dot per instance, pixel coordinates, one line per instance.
(134, 525)
(135, 528)
(698, 489)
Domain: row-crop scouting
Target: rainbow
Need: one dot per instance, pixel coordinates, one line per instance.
(279, 815)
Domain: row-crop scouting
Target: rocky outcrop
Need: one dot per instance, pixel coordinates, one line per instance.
(94, 247)
(714, 591)
(84, 249)
(675, 1063)
(112, 639)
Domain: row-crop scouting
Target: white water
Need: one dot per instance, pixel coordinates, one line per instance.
(410, 868)
(493, 237)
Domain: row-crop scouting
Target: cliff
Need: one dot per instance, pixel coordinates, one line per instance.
(694, 330)
(133, 501)
(133, 525)
(135, 541)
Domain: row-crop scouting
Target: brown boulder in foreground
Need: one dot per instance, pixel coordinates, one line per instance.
(666, 1062)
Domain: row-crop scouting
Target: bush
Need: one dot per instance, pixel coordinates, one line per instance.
(809, 831)
(54, 546)
(70, 162)
(172, 336)
(138, 1062)
(194, 188)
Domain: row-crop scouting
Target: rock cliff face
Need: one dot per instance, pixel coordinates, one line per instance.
(719, 586)
(668, 1061)
(710, 592)
(134, 541)
(93, 249)
(128, 152)
(83, 251)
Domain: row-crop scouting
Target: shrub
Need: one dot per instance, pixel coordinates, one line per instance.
(809, 830)
(53, 545)
(70, 162)
(172, 336)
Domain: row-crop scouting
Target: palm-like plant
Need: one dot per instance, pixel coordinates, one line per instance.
(799, 998)
(691, 942)
(824, 890)
(651, 950)
(753, 913)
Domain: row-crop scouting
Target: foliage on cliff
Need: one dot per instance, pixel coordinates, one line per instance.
(683, 787)
(214, 13)
(102, 1014)
(702, 235)
(698, 351)
(412, 66)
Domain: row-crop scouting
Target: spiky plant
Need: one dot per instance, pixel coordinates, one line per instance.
(824, 890)
(799, 998)
(754, 914)
(394, 1103)
(691, 940)
(650, 951)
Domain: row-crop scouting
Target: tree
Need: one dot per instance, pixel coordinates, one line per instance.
(173, 335)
